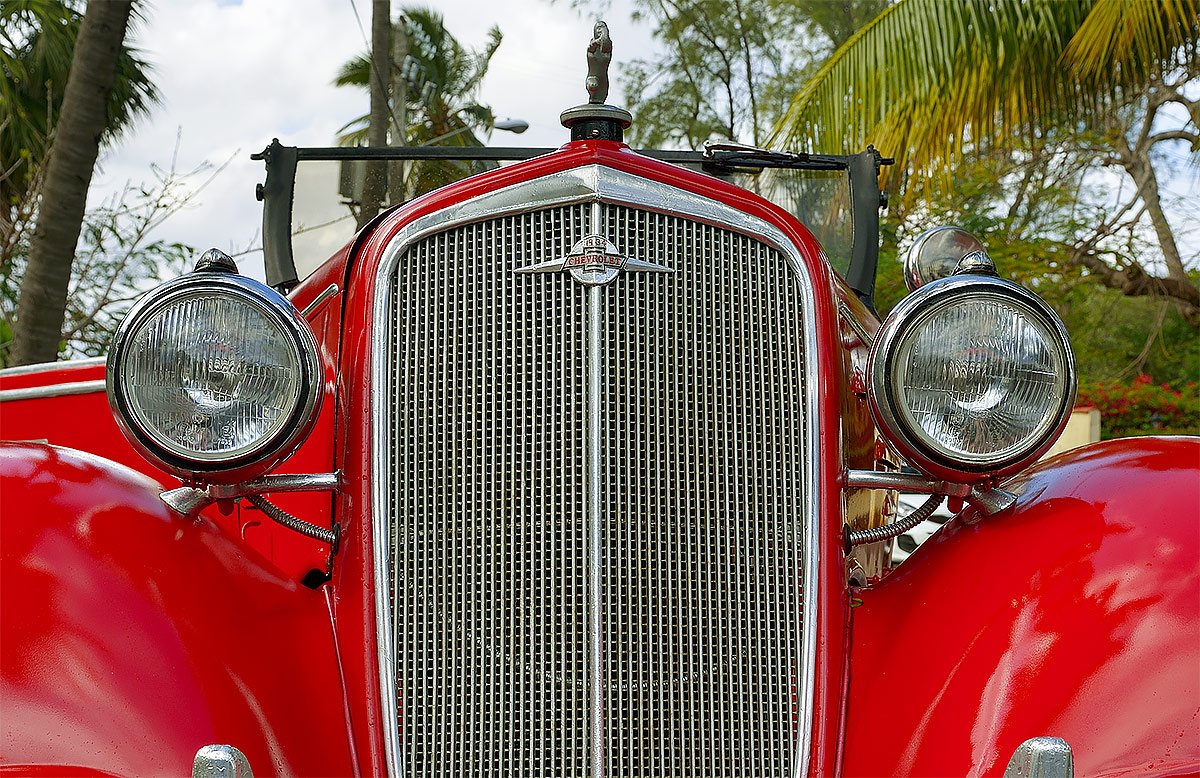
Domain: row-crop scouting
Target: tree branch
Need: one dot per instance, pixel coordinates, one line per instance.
(1190, 137)
(1134, 281)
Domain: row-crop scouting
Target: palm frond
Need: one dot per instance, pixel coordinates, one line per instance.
(354, 72)
(927, 79)
(37, 44)
(442, 79)
(1129, 41)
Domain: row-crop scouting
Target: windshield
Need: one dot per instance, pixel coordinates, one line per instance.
(326, 209)
(312, 196)
(819, 199)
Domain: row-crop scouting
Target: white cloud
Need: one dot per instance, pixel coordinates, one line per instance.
(233, 75)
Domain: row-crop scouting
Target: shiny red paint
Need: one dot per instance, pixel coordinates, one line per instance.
(1076, 615)
(353, 575)
(81, 421)
(132, 638)
(222, 644)
(85, 422)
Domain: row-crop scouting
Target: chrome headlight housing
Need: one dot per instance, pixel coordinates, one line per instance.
(972, 377)
(214, 376)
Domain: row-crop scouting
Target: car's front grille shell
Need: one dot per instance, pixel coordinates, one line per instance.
(702, 487)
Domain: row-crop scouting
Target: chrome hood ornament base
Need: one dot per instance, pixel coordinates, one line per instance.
(595, 120)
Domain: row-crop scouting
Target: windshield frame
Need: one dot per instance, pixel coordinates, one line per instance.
(277, 193)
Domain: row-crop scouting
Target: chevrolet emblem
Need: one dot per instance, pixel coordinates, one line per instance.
(595, 261)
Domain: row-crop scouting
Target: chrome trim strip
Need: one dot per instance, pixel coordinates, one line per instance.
(54, 390)
(325, 294)
(854, 324)
(592, 183)
(42, 367)
(905, 482)
(286, 482)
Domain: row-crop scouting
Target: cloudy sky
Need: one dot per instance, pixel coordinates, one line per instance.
(234, 74)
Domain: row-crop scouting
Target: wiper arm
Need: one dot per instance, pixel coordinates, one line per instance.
(726, 156)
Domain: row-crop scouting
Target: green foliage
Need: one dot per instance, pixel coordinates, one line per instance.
(927, 78)
(837, 21)
(1115, 336)
(442, 79)
(725, 71)
(1143, 407)
(889, 277)
(37, 41)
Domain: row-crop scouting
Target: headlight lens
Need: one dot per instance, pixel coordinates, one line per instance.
(213, 372)
(975, 375)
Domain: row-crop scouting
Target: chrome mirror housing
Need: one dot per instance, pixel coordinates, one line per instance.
(944, 251)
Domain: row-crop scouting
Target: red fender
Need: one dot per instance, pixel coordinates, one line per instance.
(1076, 615)
(132, 638)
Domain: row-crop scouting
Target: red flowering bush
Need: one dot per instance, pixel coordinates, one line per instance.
(1143, 407)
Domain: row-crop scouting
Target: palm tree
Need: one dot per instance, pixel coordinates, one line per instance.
(71, 160)
(929, 80)
(37, 42)
(442, 80)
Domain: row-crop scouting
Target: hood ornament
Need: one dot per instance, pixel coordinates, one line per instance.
(594, 260)
(596, 120)
(599, 57)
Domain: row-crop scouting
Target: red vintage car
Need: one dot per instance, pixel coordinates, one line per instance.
(586, 465)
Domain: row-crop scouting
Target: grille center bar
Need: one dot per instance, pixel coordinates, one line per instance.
(594, 477)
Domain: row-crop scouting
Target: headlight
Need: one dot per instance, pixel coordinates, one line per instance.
(972, 376)
(215, 375)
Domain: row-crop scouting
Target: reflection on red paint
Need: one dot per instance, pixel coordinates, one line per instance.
(1076, 616)
(132, 638)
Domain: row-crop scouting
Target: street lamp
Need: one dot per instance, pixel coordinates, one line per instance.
(516, 126)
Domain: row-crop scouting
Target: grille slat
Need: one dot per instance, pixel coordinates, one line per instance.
(701, 501)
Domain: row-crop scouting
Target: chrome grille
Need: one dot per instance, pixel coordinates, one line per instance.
(703, 461)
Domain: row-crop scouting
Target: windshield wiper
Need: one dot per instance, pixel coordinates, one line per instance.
(725, 156)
